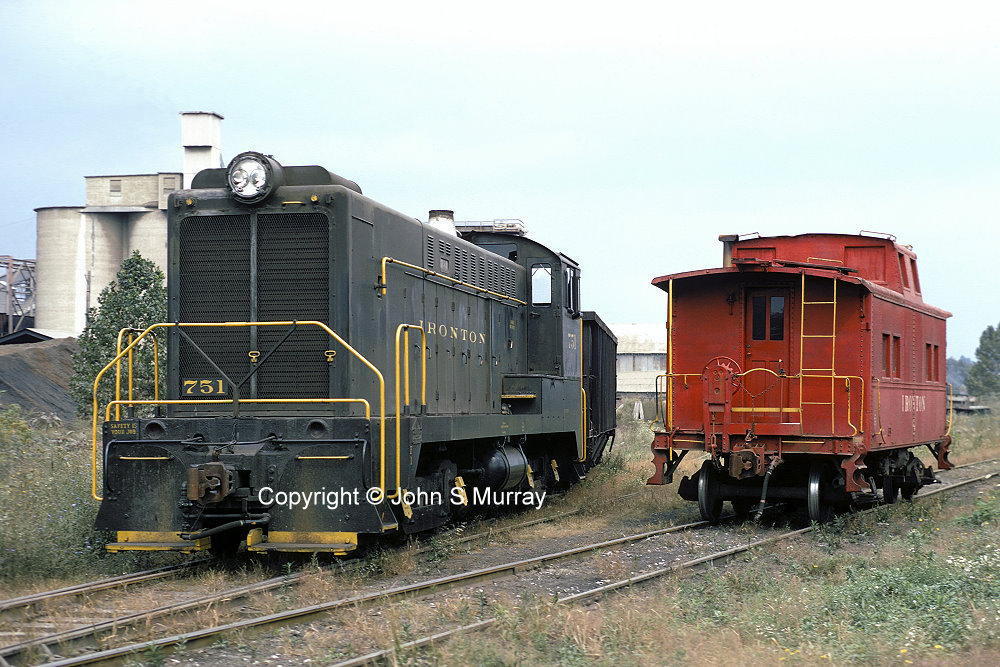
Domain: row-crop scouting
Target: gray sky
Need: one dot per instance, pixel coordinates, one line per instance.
(628, 135)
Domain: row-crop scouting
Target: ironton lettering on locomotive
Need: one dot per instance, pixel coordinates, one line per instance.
(448, 331)
(284, 376)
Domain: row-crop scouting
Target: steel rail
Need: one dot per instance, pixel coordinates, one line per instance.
(90, 633)
(197, 637)
(99, 585)
(205, 636)
(78, 635)
(600, 591)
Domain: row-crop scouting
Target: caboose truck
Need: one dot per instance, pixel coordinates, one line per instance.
(807, 367)
(338, 370)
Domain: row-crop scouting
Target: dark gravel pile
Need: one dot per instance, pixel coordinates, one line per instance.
(36, 376)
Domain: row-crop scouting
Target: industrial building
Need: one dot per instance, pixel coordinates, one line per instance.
(80, 248)
(642, 355)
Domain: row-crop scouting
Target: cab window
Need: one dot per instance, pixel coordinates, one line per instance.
(572, 286)
(541, 284)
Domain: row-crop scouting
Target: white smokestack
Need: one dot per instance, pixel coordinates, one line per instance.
(201, 134)
(443, 221)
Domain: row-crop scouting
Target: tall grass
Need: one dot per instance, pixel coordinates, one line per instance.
(46, 509)
(976, 437)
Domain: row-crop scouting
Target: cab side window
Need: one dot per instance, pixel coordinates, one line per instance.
(572, 287)
(541, 284)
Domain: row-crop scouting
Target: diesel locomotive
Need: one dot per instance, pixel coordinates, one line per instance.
(808, 368)
(339, 371)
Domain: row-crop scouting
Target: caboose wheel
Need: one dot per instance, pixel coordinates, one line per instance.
(890, 489)
(743, 506)
(709, 498)
(820, 476)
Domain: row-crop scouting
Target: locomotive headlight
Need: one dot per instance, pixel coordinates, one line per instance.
(252, 176)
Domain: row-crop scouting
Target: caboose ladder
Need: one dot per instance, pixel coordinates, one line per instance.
(804, 371)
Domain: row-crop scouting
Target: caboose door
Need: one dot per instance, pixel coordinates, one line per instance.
(767, 348)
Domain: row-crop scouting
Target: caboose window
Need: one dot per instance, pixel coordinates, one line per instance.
(902, 271)
(768, 321)
(777, 318)
(897, 355)
(759, 308)
(886, 355)
(541, 284)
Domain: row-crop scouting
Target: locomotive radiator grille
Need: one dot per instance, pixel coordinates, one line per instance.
(257, 267)
(293, 284)
(214, 287)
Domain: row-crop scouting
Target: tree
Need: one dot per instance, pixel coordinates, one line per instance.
(135, 299)
(958, 371)
(984, 376)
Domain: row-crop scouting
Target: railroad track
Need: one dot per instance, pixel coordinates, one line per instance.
(26, 602)
(90, 635)
(433, 585)
(598, 592)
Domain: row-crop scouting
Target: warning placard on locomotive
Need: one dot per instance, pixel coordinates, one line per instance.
(127, 428)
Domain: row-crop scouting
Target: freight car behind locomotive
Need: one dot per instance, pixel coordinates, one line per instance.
(339, 370)
(808, 368)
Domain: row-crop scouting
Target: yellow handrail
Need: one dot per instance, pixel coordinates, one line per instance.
(405, 330)
(951, 407)
(583, 398)
(167, 325)
(683, 376)
(224, 401)
(156, 366)
(669, 404)
(384, 286)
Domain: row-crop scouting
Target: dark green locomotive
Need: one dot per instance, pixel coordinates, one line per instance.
(340, 370)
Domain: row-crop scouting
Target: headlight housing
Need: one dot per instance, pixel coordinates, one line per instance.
(253, 176)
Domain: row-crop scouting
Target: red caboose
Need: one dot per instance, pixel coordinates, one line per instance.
(807, 367)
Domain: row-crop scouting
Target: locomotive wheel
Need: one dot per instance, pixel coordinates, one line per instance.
(890, 490)
(709, 498)
(820, 476)
(908, 491)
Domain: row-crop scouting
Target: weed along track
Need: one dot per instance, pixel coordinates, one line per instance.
(959, 477)
(46, 632)
(383, 599)
(20, 606)
(354, 617)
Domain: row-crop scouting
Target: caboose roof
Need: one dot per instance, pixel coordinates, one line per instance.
(878, 263)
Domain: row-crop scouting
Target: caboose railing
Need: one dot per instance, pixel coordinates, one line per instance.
(236, 400)
(665, 404)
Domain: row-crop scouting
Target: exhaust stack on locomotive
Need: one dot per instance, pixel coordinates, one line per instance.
(338, 371)
(807, 368)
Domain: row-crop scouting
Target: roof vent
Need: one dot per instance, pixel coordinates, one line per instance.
(443, 221)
